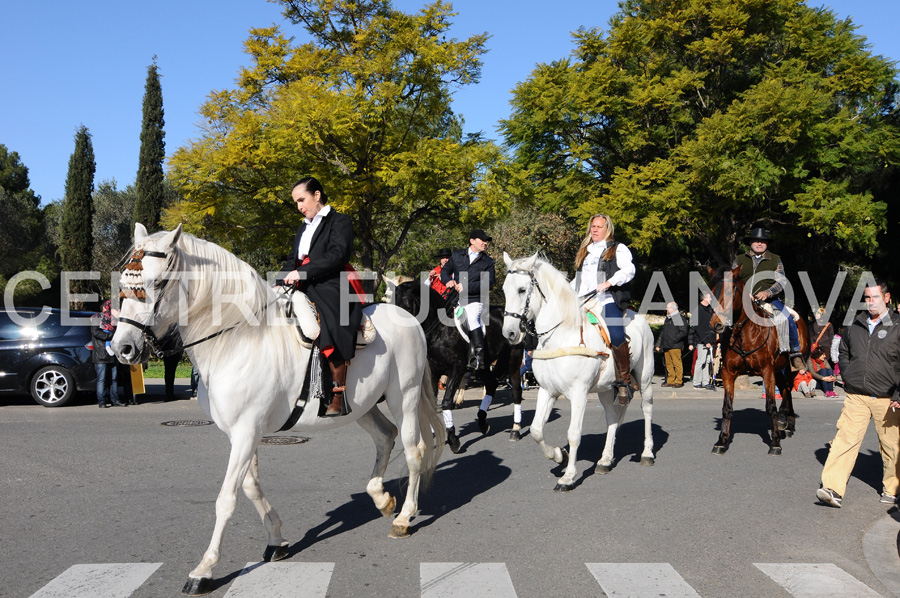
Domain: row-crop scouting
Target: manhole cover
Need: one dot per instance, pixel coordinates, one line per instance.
(284, 440)
(187, 422)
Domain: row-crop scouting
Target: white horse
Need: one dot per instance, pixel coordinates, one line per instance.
(572, 359)
(253, 363)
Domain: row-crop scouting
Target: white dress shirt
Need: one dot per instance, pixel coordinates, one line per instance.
(309, 231)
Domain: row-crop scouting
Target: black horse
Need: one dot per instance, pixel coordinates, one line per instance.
(448, 351)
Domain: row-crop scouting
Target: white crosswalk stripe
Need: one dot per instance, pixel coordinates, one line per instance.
(282, 580)
(109, 580)
(812, 580)
(451, 580)
(640, 580)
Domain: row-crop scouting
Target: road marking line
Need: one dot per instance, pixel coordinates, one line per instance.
(108, 580)
(282, 580)
(640, 580)
(812, 580)
(452, 580)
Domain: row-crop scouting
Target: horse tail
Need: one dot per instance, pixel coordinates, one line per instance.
(429, 420)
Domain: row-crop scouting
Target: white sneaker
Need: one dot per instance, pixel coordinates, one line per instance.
(888, 499)
(829, 497)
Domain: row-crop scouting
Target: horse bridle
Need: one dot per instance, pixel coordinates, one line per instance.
(736, 341)
(526, 324)
(149, 337)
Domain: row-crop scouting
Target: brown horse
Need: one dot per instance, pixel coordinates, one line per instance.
(751, 347)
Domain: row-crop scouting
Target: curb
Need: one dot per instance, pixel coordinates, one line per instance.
(880, 548)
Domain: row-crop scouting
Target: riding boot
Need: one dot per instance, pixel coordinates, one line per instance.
(339, 404)
(622, 363)
(476, 350)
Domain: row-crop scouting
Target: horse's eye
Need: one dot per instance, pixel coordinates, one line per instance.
(521, 290)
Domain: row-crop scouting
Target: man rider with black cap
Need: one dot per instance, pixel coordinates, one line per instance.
(764, 270)
(471, 273)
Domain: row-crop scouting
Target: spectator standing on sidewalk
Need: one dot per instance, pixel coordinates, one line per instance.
(702, 337)
(871, 370)
(102, 330)
(671, 342)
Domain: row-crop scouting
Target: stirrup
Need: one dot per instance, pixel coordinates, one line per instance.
(629, 392)
(336, 410)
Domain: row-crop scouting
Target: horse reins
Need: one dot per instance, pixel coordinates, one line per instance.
(526, 325)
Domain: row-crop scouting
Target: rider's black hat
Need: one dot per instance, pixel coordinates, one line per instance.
(758, 234)
(443, 252)
(477, 233)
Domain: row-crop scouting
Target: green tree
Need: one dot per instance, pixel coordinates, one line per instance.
(689, 121)
(365, 106)
(20, 217)
(76, 226)
(113, 230)
(151, 193)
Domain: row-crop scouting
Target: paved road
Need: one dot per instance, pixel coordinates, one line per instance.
(111, 503)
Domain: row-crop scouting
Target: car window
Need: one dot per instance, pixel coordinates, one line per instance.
(49, 328)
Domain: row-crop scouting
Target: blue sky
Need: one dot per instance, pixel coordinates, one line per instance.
(71, 63)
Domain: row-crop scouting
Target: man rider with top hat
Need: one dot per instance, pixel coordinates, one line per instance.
(764, 271)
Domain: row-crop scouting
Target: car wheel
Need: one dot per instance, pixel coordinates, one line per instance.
(52, 386)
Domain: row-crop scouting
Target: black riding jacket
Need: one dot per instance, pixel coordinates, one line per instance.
(459, 263)
(870, 364)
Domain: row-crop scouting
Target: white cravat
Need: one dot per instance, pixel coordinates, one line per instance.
(309, 231)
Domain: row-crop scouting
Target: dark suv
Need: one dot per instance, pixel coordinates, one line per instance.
(44, 355)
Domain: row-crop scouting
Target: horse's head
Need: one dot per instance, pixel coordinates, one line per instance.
(727, 290)
(522, 303)
(391, 283)
(143, 316)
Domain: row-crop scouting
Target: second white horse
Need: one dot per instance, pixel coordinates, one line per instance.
(572, 359)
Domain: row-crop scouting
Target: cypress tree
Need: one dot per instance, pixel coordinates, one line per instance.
(75, 236)
(149, 185)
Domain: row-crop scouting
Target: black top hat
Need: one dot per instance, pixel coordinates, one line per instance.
(443, 252)
(477, 233)
(758, 234)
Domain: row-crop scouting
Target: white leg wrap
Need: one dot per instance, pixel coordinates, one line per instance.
(448, 418)
(486, 402)
(517, 414)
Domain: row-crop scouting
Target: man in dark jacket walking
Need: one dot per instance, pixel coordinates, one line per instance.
(671, 341)
(870, 366)
(702, 337)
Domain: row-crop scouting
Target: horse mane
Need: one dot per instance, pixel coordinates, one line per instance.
(214, 276)
(553, 282)
(408, 295)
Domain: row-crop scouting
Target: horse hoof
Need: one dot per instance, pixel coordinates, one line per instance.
(719, 450)
(560, 487)
(276, 553)
(388, 509)
(483, 424)
(515, 436)
(648, 461)
(399, 531)
(788, 433)
(775, 450)
(602, 469)
(197, 587)
(453, 441)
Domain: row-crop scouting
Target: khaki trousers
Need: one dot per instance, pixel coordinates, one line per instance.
(674, 371)
(852, 426)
